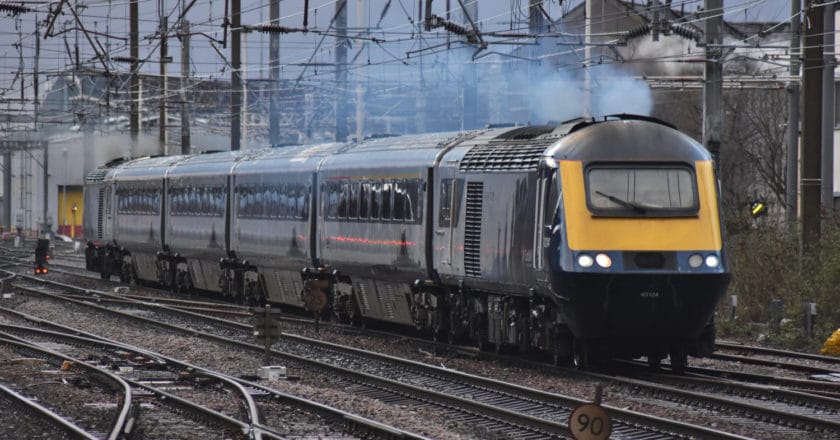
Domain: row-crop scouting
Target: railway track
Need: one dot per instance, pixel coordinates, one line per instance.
(777, 405)
(494, 387)
(271, 403)
(494, 414)
(19, 407)
(64, 386)
(173, 376)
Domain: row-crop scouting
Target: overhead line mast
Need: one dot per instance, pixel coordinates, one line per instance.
(812, 123)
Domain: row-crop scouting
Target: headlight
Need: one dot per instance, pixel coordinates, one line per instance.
(695, 260)
(585, 260)
(712, 261)
(603, 260)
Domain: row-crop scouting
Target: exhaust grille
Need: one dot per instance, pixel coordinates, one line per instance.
(472, 230)
(503, 157)
(96, 176)
(100, 215)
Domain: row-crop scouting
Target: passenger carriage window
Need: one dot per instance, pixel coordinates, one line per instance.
(353, 200)
(641, 190)
(248, 201)
(412, 200)
(364, 195)
(375, 200)
(342, 200)
(240, 201)
(288, 200)
(386, 201)
(259, 202)
(218, 201)
(398, 211)
(303, 201)
(331, 196)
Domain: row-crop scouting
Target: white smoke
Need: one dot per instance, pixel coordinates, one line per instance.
(555, 96)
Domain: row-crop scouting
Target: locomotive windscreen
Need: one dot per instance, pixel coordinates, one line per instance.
(641, 190)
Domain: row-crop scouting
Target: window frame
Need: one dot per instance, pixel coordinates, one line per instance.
(597, 211)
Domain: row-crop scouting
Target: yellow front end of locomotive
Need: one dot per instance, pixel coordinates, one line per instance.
(585, 231)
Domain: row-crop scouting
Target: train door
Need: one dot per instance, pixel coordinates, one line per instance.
(108, 223)
(447, 215)
(546, 205)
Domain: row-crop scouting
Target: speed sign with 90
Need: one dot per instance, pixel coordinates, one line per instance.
(590, 422)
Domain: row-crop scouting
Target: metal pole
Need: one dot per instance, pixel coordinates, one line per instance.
(793, 113)
(360, 91)
(274, 71)
(812, 123)
(45, 229)
(134, 117)
(587, 55)
(713, 80)
(243, 76)
(827, 171)
(420, 100)
(185, 70)
(64, 190)
(470, 81)
(235, 76)
(536, 25)
(7, 190)
(341, 70)
(37, 99)
(164, 29)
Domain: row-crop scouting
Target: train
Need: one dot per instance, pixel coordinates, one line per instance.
(593, 238)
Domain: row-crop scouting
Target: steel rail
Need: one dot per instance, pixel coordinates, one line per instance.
(541, 425)
(777, 352)
(124, 420)
(358, 423)
(98, 343)
(45, 413)
(771, 363)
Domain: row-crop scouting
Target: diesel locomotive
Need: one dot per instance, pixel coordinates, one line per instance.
(595, 238)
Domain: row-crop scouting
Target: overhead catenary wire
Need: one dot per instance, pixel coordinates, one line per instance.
(390, 39)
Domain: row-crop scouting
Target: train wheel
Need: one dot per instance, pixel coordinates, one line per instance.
(679, 359)
(654, 362)
(481, 342)
(452, 338)
(556, 358)
(580, 355)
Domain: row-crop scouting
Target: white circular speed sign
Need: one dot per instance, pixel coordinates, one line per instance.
(590, 422)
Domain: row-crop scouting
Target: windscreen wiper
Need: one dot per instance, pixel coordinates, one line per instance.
(624, 203)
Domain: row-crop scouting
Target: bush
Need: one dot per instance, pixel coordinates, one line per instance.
(767, 264)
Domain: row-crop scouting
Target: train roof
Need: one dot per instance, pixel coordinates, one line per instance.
(217, 165)
(627, 138)
(415, 151)
(302, 158)
(146, 168)
(630, 137)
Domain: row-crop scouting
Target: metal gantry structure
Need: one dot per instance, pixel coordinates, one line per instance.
(435, 31)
